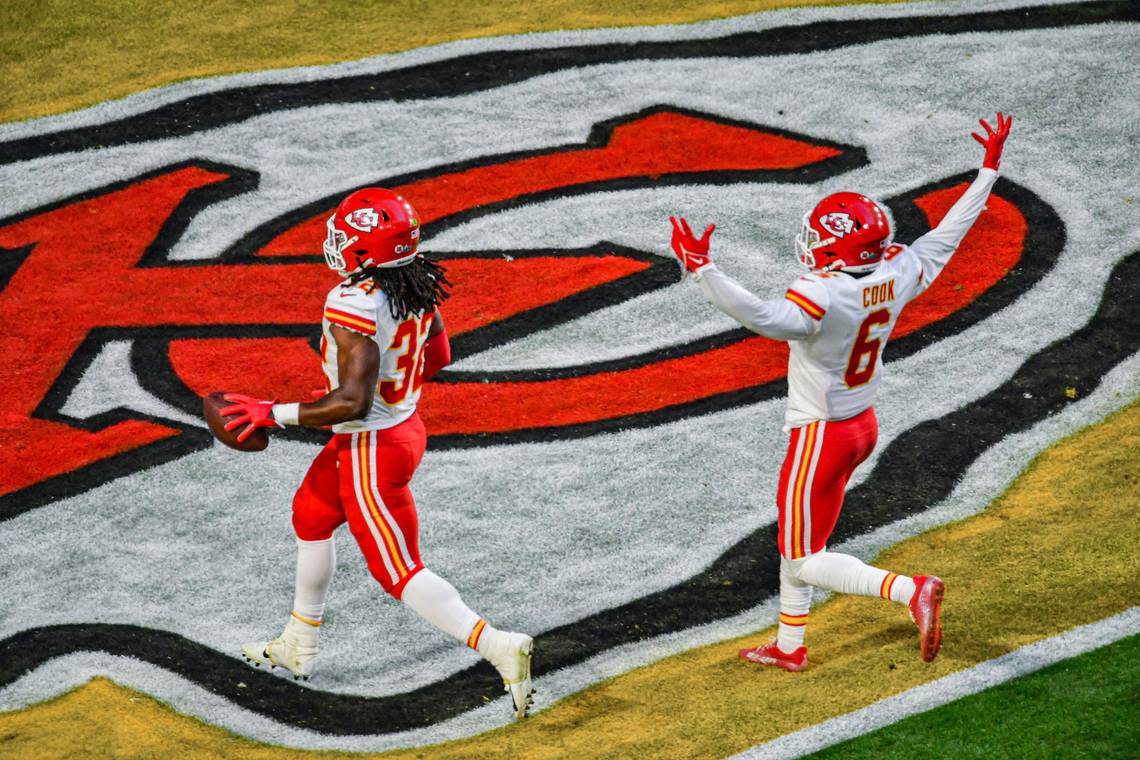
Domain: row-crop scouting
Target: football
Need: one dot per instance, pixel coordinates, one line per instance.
(212, 407)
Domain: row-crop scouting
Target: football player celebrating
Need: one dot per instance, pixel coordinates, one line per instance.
(837, 318)
(382, 336)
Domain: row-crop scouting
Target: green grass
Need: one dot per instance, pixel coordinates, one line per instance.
(1088, 706)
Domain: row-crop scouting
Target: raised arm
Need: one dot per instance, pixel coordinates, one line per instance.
(934, 249)
(779, 319)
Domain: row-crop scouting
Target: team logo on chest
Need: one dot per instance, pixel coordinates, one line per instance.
(363, 219)
(838, 223)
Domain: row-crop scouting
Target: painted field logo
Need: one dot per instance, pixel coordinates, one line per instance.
(193, 328)
(187, 266)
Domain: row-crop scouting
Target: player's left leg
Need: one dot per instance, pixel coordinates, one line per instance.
(385, 524)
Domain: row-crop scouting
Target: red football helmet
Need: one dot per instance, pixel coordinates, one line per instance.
(845, 231)
(372, 227)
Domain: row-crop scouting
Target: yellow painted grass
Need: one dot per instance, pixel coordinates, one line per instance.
(1056, 551)
(60, 55)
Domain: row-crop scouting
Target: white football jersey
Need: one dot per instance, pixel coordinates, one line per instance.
(838, 324)
(363, 308)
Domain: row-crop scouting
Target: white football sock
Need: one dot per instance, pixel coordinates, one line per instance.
(849, 575)
(902, 589)
(795, 602)
(316, 563)
(437, 601)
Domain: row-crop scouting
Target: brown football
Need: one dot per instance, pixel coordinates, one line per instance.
(212, 407)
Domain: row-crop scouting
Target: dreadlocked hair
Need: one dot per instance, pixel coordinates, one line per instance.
(415, 288)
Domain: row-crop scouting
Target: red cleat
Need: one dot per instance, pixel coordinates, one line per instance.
(770, 654)
(925, 611)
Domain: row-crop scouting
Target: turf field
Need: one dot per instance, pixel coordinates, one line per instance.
(1082, 707)
(1011, 429)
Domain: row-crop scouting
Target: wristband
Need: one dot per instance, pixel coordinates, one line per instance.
(700, 271)
(287, 414)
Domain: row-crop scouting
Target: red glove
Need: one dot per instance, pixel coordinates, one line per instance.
(993, 142)
(256, 413)
(693, 252)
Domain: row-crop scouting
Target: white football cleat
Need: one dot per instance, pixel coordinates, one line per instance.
(511, 655)
(298, 658)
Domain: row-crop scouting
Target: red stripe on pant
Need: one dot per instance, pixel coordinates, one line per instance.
(362, 479)
(820, 459)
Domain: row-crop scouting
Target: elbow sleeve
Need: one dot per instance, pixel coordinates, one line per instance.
(437, 354)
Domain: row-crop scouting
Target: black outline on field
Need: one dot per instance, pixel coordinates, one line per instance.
(155, 374)
(1042, 239)
(750, 565)
(850, 157)
(153, 370)
(496, 68)
(937, 451)
(187, 438)
(150, 356)
(918, 469)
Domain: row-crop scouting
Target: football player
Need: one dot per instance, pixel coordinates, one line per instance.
(837, 318)
(382, 337)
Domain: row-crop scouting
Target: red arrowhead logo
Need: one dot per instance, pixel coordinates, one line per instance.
(92, 268)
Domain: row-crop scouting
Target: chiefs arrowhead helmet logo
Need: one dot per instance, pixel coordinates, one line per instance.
(363, 219)
(838, 223)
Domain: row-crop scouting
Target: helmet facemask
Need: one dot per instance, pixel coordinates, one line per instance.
(807, 239)
(807, 242)
(335, 243)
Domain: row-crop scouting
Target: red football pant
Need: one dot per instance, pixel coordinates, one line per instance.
(821, 457)
(362, 479)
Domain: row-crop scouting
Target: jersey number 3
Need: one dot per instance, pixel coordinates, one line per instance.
(409, 341)
(865, 352)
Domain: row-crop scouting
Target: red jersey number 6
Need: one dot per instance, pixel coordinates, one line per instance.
(865, 353)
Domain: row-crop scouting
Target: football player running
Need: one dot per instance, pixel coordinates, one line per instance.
(837, 318)
(382, 336)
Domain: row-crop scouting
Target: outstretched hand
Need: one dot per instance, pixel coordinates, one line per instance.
(691, 250)
(994, 141)
(249, 411)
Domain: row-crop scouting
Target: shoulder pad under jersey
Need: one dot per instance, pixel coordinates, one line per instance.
(809, 292)
(352, 307)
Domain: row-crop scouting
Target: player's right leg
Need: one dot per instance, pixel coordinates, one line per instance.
(316, 514)
(382, 516)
